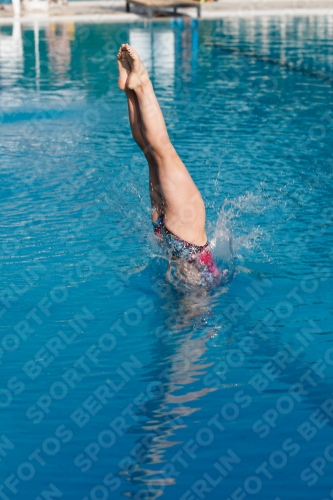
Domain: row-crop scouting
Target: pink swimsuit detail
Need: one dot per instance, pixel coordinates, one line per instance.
(200, 256)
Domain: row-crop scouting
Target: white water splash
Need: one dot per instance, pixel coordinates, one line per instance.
(237, 227)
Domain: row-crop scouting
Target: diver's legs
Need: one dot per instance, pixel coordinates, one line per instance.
(184, 208)
(157, 202)
(156, 197)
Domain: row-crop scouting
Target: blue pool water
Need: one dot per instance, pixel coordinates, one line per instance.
(115, 382)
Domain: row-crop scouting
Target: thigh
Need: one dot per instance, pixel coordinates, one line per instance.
(184, 211)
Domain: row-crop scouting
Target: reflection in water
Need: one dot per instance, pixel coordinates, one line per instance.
(59, 37)
(11, 55)
(37, 56)
(160, 48)
(190, 47)
(157, 50)
(290, 39)
(178, 367)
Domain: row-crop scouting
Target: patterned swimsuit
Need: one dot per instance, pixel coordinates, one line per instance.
(200, 256)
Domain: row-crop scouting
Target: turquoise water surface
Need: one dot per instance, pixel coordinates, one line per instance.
(116, 382)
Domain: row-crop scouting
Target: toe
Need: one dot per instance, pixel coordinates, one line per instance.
(131, 52)
(130, 49)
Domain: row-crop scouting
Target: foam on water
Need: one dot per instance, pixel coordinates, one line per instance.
(238, 228)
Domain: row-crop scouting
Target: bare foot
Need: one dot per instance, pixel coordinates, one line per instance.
(124, 67)
(138, 75)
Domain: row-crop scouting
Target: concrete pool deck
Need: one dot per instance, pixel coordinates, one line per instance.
(98, 11)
